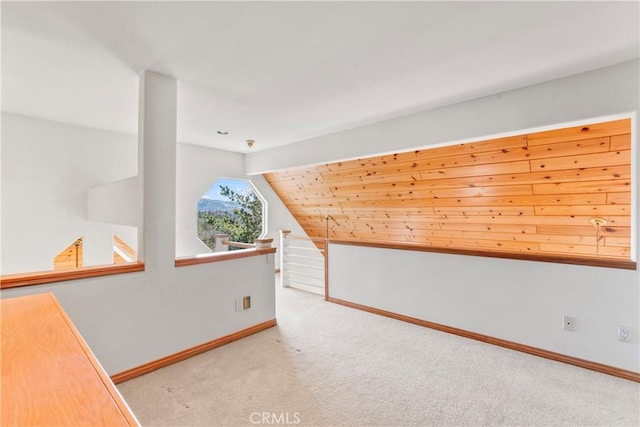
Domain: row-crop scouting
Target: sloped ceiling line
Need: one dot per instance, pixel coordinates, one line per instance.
(532, 193)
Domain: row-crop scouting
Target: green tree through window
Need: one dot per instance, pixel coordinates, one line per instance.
(238, 213)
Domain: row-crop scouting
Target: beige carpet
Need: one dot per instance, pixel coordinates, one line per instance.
(330, 365)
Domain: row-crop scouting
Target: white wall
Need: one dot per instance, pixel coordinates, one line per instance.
(132, 319)
(519, 301)
(198, 168)
(117, 202)
(515, 300)
(603, 92)
(59, 182)
(97, 245)
(47, 170)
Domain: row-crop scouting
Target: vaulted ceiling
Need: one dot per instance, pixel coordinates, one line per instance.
(532, 194)
(281, 72)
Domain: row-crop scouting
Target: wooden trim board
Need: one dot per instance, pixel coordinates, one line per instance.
(43, 277)
(560, 259)
(222, 256)
(53, 276)
(190, 352)
(582, 363)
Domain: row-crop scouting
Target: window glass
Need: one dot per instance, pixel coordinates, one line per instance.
(232, 207)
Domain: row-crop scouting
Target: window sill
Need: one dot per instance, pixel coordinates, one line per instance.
(44, 277)
(222, 256)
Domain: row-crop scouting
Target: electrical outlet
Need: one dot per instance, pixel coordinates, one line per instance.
(568, 323)
(624, 334)
(239, 304)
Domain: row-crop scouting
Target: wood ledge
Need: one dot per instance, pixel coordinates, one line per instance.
(222, 256)
(559, 259)
(43, 277)
(558, 357)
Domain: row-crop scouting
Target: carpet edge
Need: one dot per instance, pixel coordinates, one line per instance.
(547, 354)
(137, 371)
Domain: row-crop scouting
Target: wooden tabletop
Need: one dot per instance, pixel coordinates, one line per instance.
(49, 374)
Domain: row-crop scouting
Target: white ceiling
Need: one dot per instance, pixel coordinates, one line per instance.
(281, 72)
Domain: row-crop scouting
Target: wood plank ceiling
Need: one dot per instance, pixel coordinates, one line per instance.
(532, 193)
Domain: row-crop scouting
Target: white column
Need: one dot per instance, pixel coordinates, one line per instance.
(157, 169)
